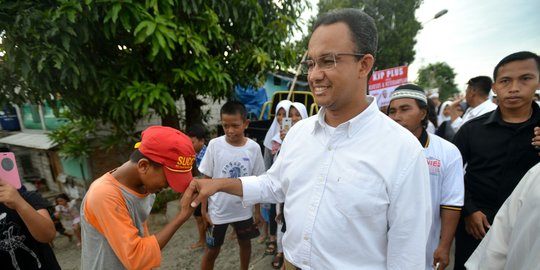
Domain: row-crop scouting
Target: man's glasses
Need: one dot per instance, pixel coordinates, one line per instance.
(325, 62)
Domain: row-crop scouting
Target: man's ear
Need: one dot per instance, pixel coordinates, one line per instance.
(143, 165)
(424, 111)
(246, 123)
(493, 88)
(365, 65)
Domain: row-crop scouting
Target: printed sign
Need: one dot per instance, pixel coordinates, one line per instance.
(383, 82)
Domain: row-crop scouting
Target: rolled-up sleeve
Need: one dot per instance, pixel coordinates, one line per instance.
(251, 189)
(266, 188)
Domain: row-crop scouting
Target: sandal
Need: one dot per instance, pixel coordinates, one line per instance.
(261, 239)
(278, 261)
(270, 248)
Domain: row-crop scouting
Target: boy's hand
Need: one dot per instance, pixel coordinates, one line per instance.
(279, 218)
(10, 196)
(257, 219)
(207, 220)
(185, 205)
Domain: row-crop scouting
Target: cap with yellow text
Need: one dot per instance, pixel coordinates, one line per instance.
(173, 150)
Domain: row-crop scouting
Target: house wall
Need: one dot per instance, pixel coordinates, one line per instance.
(35, 167)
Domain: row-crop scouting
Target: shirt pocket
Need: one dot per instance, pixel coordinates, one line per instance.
(362, 196)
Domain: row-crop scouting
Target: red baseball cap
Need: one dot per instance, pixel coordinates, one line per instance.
(172, 149)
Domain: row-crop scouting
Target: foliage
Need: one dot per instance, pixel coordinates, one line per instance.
(74, 136)
(115, 61)
(438, 75)
(396, 24)
(162, 198)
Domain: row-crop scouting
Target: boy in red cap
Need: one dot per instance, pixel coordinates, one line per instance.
(116, 207)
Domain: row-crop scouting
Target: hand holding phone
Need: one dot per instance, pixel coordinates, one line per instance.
(8, 170)
(286, 123)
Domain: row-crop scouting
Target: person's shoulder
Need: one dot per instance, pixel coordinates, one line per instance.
(303, 126)
(103, 187)
(251, 143)
(388, 129)
(34, 199)
(216, 143)
(444, 146)
(216, 140)
(478, 121)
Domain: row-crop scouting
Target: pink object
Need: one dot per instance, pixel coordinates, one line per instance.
(8, 170)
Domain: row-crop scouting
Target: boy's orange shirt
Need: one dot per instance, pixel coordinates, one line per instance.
(115, 218)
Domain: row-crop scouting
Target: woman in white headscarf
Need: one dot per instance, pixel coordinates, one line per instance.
(297, 112)
(444, 112)
(282, 110)
(271, 147)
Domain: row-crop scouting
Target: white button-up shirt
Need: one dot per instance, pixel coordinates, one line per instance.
(471, 113)
(512, 242)
(355, 198)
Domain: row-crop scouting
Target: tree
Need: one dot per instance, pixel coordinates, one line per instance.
(116, 61)
(438, 75)
(396, 24)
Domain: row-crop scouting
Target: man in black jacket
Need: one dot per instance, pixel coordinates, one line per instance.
(496, 148)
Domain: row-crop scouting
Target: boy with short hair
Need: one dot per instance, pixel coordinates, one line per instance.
(116, 207)
(231, 155)
(197, 134)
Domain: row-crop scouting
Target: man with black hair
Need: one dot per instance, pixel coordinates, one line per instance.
(197, 134)
(356, 184)
(115, 210)
(496, 148)
(409, 108)
(477, 98)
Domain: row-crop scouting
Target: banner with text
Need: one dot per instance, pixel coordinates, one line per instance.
(383, 82)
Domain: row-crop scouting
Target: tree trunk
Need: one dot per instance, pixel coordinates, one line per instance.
(194, 113)
(171, 121)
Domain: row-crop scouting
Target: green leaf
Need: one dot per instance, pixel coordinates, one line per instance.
(160, 39)
(115, 10)
(65, 42)
(140, 27)
(151, 26)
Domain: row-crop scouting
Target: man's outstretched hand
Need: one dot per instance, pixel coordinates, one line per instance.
(201, 189)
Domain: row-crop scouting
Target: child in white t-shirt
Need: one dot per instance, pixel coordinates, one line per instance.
(67, 211)
(231, 156)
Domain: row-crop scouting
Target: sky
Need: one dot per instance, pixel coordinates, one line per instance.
(474, 35)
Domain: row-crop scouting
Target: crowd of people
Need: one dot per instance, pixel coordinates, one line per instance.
(352, 187)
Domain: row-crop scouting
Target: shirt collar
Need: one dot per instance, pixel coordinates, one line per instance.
(480, 107)
(424, 138)
(354, 124)
(495, 117)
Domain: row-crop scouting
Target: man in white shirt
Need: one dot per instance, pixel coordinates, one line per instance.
(409, 108)
(513, 240)
(355, 183)
(477, 98)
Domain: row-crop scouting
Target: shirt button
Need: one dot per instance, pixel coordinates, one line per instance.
(306, 238)
(329, 148)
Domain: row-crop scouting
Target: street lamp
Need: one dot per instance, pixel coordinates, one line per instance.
(437, 15)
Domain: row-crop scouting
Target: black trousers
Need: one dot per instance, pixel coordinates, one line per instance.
(465, 245)
(272, 221)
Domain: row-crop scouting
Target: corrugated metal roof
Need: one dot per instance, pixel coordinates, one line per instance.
(30, 140)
